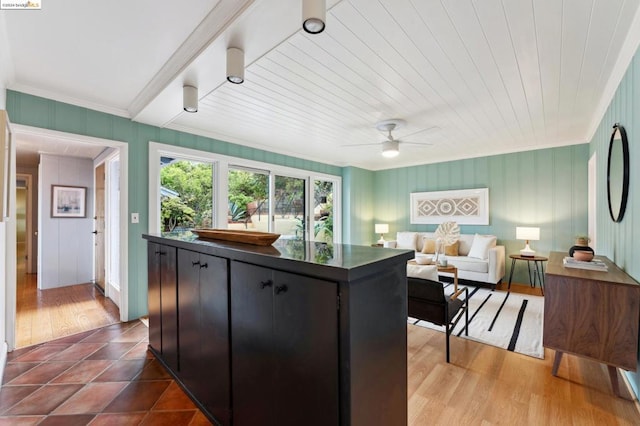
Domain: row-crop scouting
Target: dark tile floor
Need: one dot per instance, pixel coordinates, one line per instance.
(100, 377)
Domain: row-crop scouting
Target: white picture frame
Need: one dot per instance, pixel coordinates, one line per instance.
(464, 206)
(68, 201)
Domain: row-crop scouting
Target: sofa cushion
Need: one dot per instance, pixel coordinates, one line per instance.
(464, 244)
(428, 246)
(481, 245)
(465, 263)
(451, 249)
(406, 240)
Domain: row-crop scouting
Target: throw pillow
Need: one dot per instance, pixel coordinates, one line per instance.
(428, 246)
(406, 240)
(451, 249)
(481, 245)
(426, 272)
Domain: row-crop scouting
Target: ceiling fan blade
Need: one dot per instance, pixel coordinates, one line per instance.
(428, 129)
(363, 144)
(416, 143)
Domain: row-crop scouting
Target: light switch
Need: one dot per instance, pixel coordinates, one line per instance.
(135, 218)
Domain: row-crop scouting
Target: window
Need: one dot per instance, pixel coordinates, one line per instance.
(289, 207)
(217, 191)
(248, 200)
(186, 194)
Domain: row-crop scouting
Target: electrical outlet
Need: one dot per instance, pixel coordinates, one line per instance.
(135, 217)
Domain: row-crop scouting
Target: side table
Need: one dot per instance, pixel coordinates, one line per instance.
(538, 269)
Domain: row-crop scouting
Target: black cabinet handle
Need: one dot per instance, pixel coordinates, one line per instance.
(267, 283)
(157, 252)
(281, 289)
(95, 232)
(204, 265)
(197, 262)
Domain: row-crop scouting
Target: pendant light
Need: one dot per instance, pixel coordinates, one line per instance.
(190, 98)
(314, 15)
(235, 65)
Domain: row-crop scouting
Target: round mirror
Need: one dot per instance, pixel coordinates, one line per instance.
(618, 173)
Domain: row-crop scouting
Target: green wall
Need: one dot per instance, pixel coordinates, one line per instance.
(545, 188)
(358, 205)
(44, 113)
(620, 242)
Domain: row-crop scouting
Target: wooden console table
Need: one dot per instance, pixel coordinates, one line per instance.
(592, 314)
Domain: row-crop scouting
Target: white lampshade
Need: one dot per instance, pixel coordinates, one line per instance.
(314, 15)
(190, 98)
(235, 65)
(390, 149)
(382, 228)
(527, 233)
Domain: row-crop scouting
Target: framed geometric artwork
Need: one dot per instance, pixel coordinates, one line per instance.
(68, 201)
(464, 206)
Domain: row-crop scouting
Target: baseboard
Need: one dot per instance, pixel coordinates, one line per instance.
(3, 359)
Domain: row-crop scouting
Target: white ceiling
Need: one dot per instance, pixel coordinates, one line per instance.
(492, 76)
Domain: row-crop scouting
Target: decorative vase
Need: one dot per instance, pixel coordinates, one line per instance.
(583, 255)
(581, 245)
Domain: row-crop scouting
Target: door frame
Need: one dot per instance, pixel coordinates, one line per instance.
(123, 149)
(29, 219)
(106, 158)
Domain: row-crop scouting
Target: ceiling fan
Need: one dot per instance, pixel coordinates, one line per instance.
(391, 147)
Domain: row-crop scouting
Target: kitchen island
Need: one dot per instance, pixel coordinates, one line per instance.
(299, 332)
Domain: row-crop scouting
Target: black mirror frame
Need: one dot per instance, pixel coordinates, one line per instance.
(625, 178)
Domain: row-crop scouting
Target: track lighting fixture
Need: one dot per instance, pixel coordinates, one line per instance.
(190, 98)
(235, 65)
(314, 15)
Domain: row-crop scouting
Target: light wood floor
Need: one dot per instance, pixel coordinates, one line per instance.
(43, 315)
(485, 385)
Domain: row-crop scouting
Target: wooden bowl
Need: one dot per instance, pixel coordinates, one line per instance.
(583, 255)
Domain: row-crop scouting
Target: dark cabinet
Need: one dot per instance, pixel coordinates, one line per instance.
(284, 347)
(204, 330)
(162, 296)
(273, 336)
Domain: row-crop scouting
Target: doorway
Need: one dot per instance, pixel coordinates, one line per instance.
(24, 248)
(74, 293)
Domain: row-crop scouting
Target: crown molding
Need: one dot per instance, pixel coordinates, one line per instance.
(54, 96)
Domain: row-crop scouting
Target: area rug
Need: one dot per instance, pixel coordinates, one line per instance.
(511, 321)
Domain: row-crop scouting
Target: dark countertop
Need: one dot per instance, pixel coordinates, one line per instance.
(340, 262)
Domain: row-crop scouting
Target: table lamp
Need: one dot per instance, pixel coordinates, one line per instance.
(382, 228)
(527, 233)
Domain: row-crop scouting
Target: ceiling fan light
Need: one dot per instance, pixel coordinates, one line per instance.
(235, 65)
(314, 15)
(190, 98)
(390, 149)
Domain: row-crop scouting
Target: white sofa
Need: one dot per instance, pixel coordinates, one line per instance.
(490, 269)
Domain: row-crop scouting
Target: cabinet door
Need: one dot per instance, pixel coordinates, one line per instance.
(189, 316)
(305, 350)
(204, 330)
(153, 290)
(284, 348)
(251, 335)
(169, 305)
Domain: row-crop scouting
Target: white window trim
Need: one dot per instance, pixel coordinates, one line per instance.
(222, 163)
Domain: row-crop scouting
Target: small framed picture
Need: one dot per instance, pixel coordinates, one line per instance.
(68, 201)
